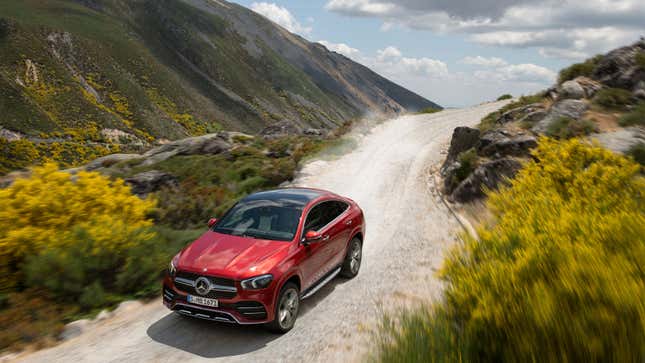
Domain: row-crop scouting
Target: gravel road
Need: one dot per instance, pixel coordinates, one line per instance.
(408, 230)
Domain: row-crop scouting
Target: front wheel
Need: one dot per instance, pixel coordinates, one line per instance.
(286, 310)
(353, 258)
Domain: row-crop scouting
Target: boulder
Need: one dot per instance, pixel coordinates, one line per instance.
(10, 135)
(500, 143)
(207, 144)
(566, 108)
(150, 181)
(489, 175)
(74, 329)
(282, 128)
(109, 160)
(519, 113)
(463, 138)
(621, 140)
(588, 85)
(619, 68)
(533, 117)
(571, 90)
(314, 132)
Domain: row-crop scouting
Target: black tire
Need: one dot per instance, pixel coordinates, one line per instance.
(283, 323)
(352, 262)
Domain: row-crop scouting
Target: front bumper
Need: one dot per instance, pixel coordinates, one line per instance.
(246, 307)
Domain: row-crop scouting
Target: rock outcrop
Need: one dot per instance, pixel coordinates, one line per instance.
(572, 90)
(566, 108)
(497, 143)
(463, 138)
(147, 182)
(619, 68)
(489, 175)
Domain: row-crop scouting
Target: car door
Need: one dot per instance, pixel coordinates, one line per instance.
(314, 258)
(338, 231)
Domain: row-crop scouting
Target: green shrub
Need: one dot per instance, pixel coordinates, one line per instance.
(585, 68)
(504, 97)
(566, 128)
(429, 110)
(640, 59)
(490, 120)
(637, 152)
(467, 164)
(613, 98)
(557, 278)
(634, 117)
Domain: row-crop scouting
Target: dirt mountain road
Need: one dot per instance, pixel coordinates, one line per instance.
(408, 231)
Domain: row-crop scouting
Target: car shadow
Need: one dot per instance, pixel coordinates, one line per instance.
(210, 339)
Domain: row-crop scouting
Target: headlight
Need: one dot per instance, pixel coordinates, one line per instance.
(257, 282)
(172, 267)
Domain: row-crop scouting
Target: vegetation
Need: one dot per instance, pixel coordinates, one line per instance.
(505, 97)
(73, 244)
(640, 59)
(429, 110)
(637, 152)
(566, 128)
(558, 277)
(585, 69)
(613, 98)
(490, 120)
(636, 117)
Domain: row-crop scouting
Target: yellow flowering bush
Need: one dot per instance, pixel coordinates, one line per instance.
(53, 210)
(558, 277)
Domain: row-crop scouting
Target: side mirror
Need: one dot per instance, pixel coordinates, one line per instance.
(312, 236)
(211, 222)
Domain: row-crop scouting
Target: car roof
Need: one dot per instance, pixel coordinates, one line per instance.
(300, 196)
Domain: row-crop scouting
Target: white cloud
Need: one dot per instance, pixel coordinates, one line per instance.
(570, 29)
(281, 16)
(483, 61)
(524, 73)
(341, 48)
(391, 62)
(388, 53)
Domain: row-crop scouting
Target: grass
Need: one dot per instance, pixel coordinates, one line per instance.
(504, 97)
(612, 98)
(585, 69)
(566, 128)
(635, 117)
(490, 121)
(429, 110)
(637, 152)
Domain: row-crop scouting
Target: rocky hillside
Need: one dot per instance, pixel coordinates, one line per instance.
(602, 99)
(114, 73)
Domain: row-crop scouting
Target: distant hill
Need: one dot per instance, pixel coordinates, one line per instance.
(167, 69)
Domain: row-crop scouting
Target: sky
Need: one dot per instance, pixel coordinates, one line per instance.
(463, 52)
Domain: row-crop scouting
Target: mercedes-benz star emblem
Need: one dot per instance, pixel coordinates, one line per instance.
(202, 286)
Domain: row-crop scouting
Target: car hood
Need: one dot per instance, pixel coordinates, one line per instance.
(231, 256)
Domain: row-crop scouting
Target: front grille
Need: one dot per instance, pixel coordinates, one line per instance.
(213, 294)
(216, 280)
(251, 310)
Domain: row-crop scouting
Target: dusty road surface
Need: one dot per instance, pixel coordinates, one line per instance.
(408, 230)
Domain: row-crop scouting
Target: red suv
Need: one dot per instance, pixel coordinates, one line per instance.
(269, 251)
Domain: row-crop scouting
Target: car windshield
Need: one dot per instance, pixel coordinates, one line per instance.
(264, 219)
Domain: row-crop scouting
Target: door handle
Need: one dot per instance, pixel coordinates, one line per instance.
(349, 222)
(325, 237)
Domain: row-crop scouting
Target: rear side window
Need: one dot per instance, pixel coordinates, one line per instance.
(320, 215)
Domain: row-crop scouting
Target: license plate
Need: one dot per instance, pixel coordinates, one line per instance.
(202, 301)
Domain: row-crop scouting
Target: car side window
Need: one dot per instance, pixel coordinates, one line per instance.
(325, 212)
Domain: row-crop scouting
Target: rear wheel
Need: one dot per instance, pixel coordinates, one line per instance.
(353, 258)
(286, 310)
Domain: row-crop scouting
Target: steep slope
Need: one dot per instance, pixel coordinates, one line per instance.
(155, 69)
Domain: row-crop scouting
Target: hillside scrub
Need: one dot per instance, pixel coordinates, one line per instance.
(585, 69)
(73, 244)
(613, 98)
(490, 120)
(566, 128)
(504, 97)
(636, 117)
(557, 277)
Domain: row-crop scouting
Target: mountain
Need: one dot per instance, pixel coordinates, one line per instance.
(165, 69)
